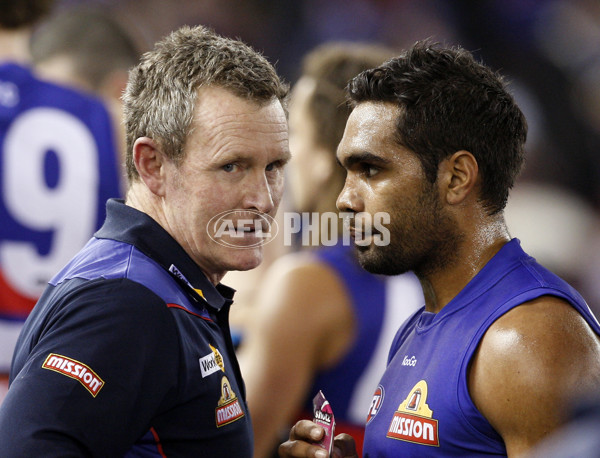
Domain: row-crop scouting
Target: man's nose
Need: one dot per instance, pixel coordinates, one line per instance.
(259, 194)
(349, 200)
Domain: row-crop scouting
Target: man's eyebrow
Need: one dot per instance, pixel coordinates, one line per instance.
(370, 158)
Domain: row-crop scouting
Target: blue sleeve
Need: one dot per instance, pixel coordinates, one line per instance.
(100, 365)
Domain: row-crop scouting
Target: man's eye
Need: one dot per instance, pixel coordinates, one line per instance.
(273, 165)
(370, 170)
(230, 167)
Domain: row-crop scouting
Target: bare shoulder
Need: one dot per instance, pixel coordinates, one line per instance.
(301, 278)
(304, 300)
(530, 362)
(547, 333)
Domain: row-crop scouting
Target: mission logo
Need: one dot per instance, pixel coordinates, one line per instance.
(76, 370)
(229, 408)
(413, 421)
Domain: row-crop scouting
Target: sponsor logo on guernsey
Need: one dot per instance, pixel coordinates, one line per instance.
(76, 370)
(376, 403)
(211, 363)
(229, 408)
(177, 273)
(412, 361)
(413, 421)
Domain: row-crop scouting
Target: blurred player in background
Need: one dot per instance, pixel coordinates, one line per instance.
(58, 166)
(89, 50)
(321, 322)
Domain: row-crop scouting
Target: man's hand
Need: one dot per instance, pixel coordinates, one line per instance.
(303, 437)
(344, 446)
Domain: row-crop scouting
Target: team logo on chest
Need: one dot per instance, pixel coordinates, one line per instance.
(413, 421)
(376, 403)
(229, 408)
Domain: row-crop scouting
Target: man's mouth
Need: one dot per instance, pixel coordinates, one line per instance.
(251, 227)
(241, 228)
(361, 238)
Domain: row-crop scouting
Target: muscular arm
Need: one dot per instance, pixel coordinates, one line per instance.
(529, 364)
(303, 321)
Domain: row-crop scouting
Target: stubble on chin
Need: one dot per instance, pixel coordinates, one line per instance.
(432, 255)
(380, 260)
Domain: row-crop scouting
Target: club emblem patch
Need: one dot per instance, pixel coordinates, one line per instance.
(413, 421)
(376, 403)
(76, 370)
(229, 408)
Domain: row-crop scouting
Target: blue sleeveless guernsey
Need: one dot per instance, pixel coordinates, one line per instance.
(422, 405)
(380, 306)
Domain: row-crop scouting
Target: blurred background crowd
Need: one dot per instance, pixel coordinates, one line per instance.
(548, 49)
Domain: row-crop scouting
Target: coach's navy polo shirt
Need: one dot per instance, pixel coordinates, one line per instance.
(128, 352)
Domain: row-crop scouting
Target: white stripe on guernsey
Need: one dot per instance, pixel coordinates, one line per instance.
(404, 296)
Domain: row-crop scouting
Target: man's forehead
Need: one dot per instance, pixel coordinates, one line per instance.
(369, 122)
(220, 114)
(229, 127)
(374, 115)
(216, 101)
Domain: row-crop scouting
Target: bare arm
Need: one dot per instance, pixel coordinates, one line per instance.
(529, 364)
(302, 322)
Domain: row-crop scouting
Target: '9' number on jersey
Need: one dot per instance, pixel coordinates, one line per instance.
(68, 209)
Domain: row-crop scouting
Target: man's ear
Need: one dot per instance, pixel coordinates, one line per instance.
(458, 174)
(149, 162)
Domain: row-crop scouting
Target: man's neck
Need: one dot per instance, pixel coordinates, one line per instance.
(479, 246)
(14, 45)
(138, 197)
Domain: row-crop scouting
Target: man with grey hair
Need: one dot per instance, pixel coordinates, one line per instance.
(129, 352)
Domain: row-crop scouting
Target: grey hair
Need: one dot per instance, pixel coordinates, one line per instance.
(161, 93)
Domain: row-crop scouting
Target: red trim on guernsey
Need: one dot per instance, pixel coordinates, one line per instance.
(177, 306)
(158, 444)
(14, 304)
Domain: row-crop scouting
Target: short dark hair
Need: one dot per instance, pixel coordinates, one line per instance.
(15, 14)
(451, 102)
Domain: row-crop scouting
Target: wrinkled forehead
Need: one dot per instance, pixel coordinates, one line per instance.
(218, 109)
(225, 124)
(216, 100)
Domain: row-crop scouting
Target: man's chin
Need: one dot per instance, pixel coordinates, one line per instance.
(374, 261)
(246, 259)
